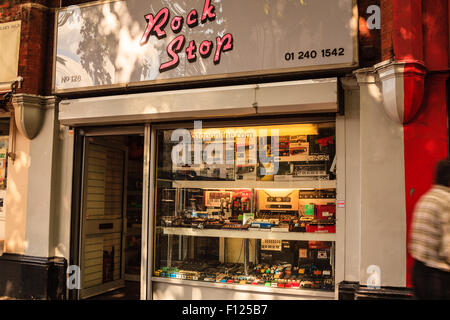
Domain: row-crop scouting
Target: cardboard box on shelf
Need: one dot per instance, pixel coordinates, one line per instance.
(321, 228)
(309, 209)
(325, 211)
(276, 200)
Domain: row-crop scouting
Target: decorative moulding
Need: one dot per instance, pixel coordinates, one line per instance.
(402, 87)
(29, 113)
(349, 83)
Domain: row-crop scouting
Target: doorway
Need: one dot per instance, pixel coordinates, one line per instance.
(110, 219)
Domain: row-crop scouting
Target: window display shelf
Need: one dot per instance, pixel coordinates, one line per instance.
(303, 157)
(250, 234)
(242, 184)
(249, 288)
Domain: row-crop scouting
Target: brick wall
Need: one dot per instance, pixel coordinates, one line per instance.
(34, 47)
(387, 47)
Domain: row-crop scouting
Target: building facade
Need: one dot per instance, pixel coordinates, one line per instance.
(347, 100)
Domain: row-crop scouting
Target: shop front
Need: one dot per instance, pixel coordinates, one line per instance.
(223, 143)
(232, 208)
(213, 149)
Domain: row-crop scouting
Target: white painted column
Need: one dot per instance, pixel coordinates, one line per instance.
(352, 229)
(39, 199)
(39, 189)
(17, 193)
(60, 227)
(383, 212)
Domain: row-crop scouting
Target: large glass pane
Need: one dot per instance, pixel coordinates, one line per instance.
(247, 205)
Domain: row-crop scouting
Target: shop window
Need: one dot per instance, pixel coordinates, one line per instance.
(253, 206)
(4, 144)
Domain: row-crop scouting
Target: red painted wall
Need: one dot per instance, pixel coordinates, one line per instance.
(421, 32)
(425, 144)
(407, 33)
(435, 34)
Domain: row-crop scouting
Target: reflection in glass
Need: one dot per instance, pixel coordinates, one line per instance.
(247, 206)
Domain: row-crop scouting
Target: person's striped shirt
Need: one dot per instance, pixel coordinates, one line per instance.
(430, 229)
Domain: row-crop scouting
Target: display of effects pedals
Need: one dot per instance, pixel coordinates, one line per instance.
(275, 210)
(265, 275)
(314, 218)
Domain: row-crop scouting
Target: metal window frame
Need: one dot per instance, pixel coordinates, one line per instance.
(81, 133)
(339, 244)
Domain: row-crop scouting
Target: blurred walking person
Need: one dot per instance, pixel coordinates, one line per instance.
(430, 239)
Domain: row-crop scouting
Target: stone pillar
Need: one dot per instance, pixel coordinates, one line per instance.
(352, 179)
(29, 269)
(383, 213)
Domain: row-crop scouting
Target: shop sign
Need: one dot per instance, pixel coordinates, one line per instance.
(9, 54)
(135, 42)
